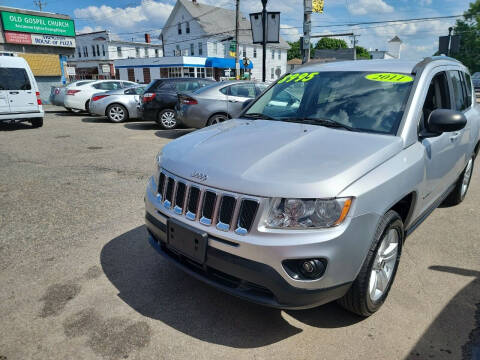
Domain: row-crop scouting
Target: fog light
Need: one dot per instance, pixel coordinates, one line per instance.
(305, 269)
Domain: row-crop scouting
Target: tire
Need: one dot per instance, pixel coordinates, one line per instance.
(37, 123)
(217, 119)
(364, 297)
(167, 119)
(75, 111)
(460, 190)
(87, 107)
(117, 113)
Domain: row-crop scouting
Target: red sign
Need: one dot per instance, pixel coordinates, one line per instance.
(18, 38)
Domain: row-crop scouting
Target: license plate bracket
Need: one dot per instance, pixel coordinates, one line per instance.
(187, 240)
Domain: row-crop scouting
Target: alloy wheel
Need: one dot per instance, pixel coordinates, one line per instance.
(116, 114)
(168, 119)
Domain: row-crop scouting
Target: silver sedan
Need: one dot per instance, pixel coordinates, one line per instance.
(117, 105)
(215, 103)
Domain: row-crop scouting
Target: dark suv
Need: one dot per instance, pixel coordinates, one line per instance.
(160, 98)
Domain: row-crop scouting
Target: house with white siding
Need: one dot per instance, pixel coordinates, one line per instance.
(198, 30)
(96, 52)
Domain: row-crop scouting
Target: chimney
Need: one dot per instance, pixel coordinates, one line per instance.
(147, 38)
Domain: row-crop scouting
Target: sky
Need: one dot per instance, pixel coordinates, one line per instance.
(130, 19)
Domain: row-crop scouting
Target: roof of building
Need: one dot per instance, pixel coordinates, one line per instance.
(396, 39)
(295, 61)
(35, 12)
(217, 21)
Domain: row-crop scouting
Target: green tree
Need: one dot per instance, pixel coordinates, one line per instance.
(362, 53)
(295, 52)
(469, 30)
(331, 43)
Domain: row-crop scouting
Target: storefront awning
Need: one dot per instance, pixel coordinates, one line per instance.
(224, 63)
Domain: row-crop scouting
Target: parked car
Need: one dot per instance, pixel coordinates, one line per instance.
(117, 105)
(160, 99)
(78, 97)
(215, 103)
(476, 81)
(295, 205)
(57, 93)
(19, 94)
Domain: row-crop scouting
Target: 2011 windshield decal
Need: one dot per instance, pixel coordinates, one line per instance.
(389, 77)
(297, 77)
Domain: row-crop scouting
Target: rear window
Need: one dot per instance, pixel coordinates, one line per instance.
(14, 79)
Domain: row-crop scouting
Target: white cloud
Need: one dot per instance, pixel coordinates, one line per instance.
(368, 7)
(148, 14)
(290, 33)
(89, 29)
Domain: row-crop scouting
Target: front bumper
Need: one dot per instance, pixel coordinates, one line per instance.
(246, 279)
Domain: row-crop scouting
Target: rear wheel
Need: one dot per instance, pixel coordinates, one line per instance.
(37, 123)
(460, 190)
(373, 283)
(117, 113)
(87, 107)
(217, 119)
(167, 119)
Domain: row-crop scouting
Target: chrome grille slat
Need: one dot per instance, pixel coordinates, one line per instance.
(197, 202)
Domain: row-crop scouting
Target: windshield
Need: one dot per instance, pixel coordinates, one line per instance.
(363, 101)
(476, 75)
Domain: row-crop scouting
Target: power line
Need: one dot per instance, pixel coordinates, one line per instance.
(40, 4)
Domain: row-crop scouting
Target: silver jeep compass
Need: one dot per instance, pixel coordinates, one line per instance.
(309, 195)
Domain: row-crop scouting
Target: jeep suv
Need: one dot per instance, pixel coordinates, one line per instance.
(297, 203)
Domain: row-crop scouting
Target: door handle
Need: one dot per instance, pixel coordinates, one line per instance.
(233, 101)
(14, 92)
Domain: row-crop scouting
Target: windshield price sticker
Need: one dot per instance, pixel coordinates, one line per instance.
(389, 77)
(303, 77)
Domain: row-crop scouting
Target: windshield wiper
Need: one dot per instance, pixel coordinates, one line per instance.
(321, 122)
(258, 116)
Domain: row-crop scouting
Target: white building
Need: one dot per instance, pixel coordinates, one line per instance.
(96, 52)
(200, 30)
(394, 49)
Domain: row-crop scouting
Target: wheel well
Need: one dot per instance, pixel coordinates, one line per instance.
(108, 107)
(220, 113)
(404, 207)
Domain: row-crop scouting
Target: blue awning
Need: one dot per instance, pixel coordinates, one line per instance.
(224, 63)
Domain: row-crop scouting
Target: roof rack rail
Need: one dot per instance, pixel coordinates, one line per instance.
(422, 64)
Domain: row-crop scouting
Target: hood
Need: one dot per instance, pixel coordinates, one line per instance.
(278, 159)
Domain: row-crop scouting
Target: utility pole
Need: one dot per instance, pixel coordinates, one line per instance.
(354, 47)
(307, 28)
(40, 4)
(237, 30)
(450, 29)
(264, 23)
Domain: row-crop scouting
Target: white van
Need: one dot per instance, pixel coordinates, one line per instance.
(19, 95)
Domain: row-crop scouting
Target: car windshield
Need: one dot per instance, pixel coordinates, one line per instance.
(476, 75)
(359, 101)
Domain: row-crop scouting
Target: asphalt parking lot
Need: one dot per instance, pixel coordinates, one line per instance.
(79, 280)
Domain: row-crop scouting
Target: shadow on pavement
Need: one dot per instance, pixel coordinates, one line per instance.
(15, 126)
(142, 126)
(96, 120)
(440, 341)
(62, 113)
(173, 134)
(158, 290)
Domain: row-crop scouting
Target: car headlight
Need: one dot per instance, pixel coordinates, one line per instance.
(307, 213)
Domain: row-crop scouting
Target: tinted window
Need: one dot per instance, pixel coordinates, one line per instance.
(361, 100)
(108, 85)
(225, 90)
(14, 79)
(189, 85)
(135, 91)
(243, 90)
(468, 88)
(458, 89)
(438, 97)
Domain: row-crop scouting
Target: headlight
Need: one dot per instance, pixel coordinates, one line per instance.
(307, 213)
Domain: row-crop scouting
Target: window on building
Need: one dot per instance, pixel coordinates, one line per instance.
(98, 50)
(180, 29)
(200, 49)
(177, 53)
(187, 30)
(255, 52)
(215, 48)
(147, 78)
(119, 51)
(137, 52)
(200, 72)
(192, 49)
(131, 74)
(189, 72)
(273, 54)
(79, 52)
(278, 72)
(103, 50)
(272, 75)
(279, 55)
(93, 51)
(157, 53)
(244, 51)
(209, 73)
(146, 53)
(175, 72)
(85, 51)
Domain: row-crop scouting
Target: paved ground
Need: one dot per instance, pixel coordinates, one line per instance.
(79, 281)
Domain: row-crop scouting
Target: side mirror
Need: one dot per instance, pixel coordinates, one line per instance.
(247, 103)
(443, 120)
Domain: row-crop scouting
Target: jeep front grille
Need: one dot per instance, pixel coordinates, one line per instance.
(228, 212)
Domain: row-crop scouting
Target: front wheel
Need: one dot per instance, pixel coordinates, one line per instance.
(117, 113)
(167, 119)
(217, 119)
(373, 283)
(460, 190)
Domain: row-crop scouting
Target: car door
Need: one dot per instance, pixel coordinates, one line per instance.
(4, 102)
(132, 96)
(441, 152)
(238, 94)
(19, 93)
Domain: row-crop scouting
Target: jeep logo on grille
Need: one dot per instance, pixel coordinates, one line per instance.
(199, 176)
